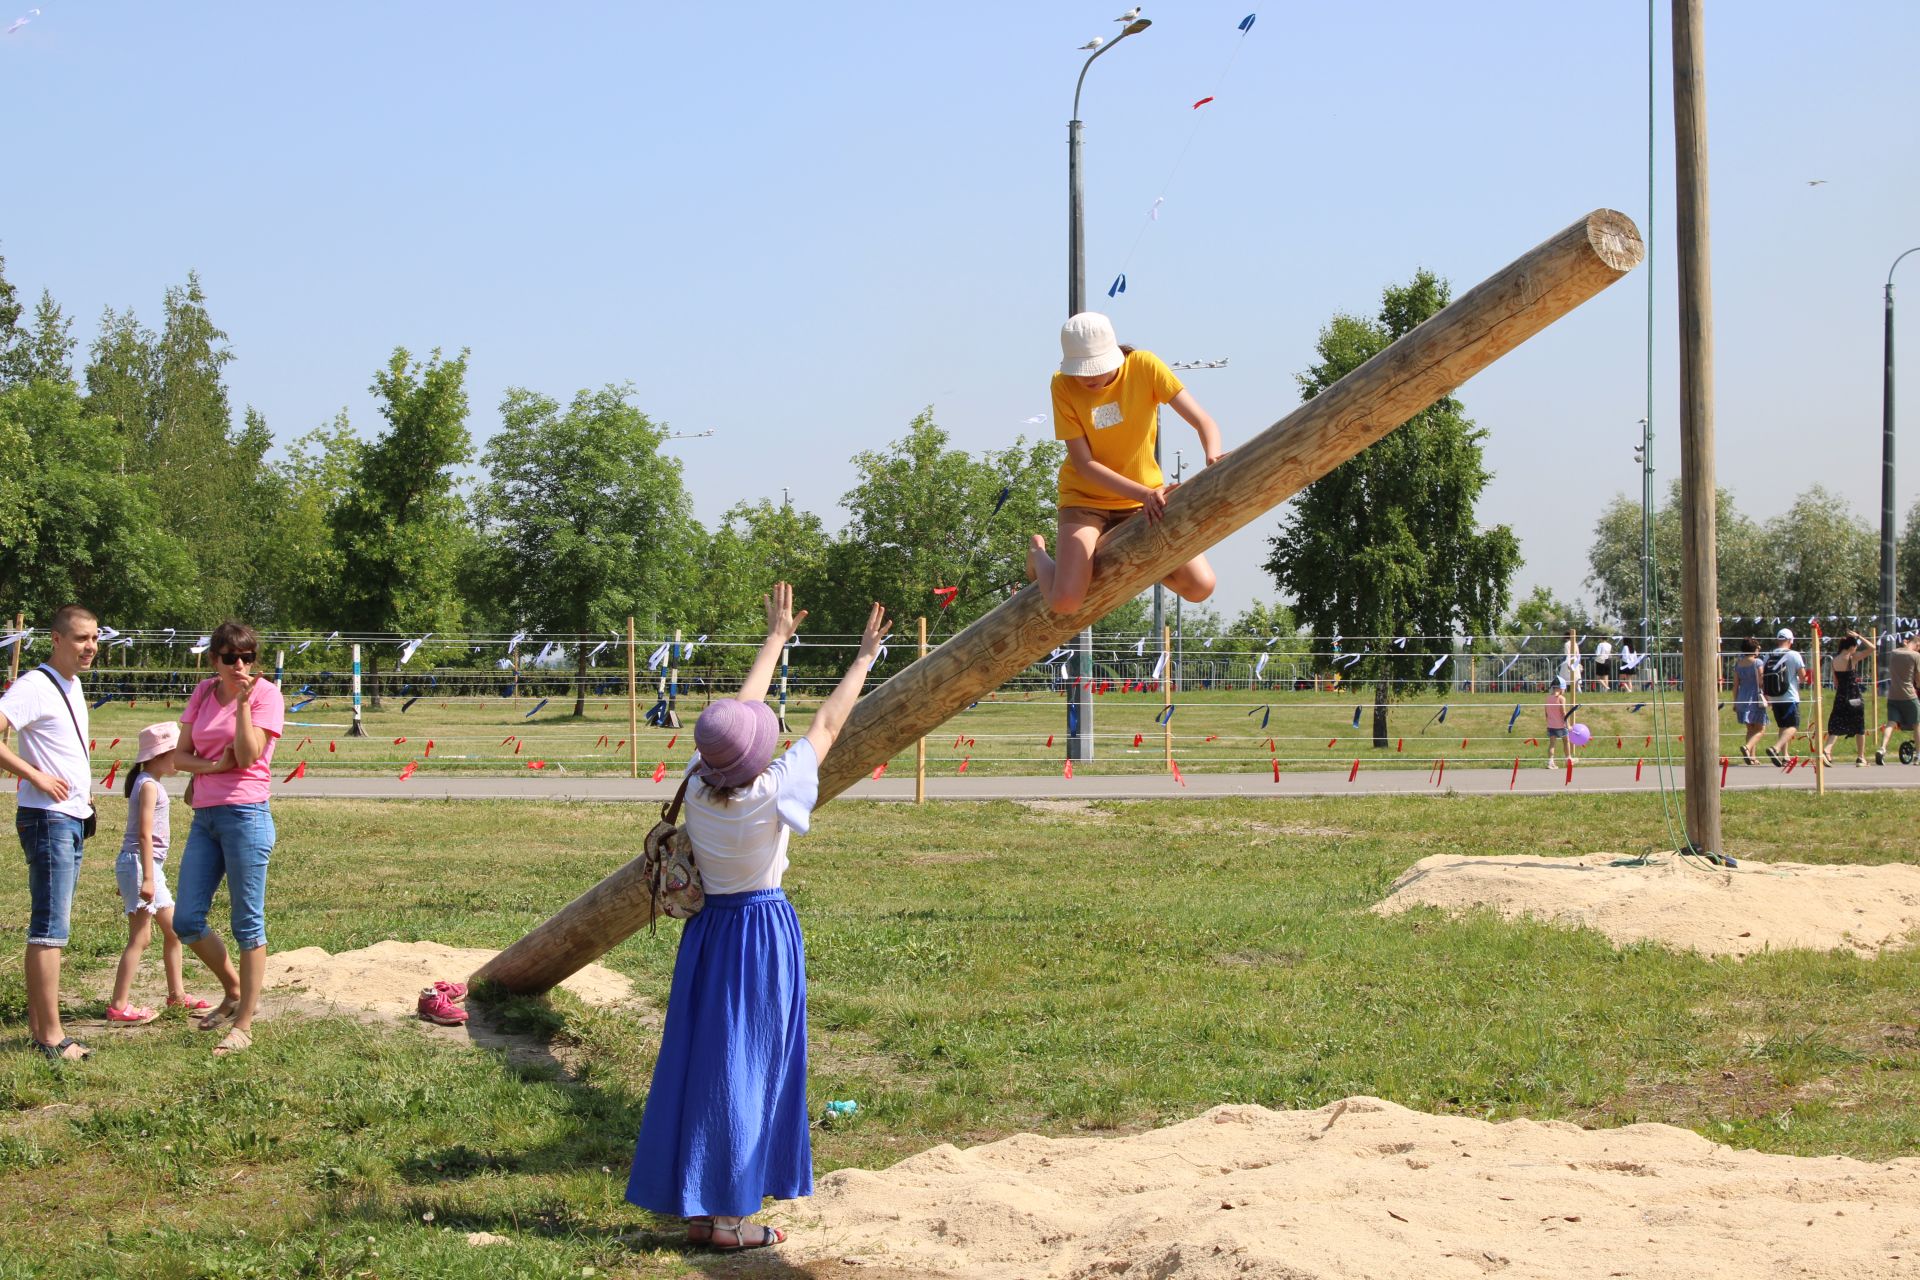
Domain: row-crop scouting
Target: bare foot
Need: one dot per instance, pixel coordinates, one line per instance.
(1036, 554)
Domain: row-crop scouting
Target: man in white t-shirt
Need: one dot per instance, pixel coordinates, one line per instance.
(49, 708)
(1603, 665)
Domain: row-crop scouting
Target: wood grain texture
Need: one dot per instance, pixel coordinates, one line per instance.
(1431, 361)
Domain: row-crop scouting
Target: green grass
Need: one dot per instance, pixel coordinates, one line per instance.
(975, 970)
(1006, 734)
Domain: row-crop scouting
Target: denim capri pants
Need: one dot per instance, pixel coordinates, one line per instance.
(53, 843)
(230, 841)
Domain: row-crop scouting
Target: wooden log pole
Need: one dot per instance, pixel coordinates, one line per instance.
(1699, 580)
(1423, 365)
(920, 746)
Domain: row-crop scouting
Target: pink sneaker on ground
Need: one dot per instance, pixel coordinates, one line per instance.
(454, 991)
(131, 1016)
(192, 1004)
(435, 1007)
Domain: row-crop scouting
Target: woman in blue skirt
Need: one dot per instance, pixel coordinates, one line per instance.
(726, 1118)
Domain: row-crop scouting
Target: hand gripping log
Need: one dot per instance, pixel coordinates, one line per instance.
(1427, 363)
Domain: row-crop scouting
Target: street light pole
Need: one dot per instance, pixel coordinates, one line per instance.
(1889, 621)
(1645, 455)
(1080, 696)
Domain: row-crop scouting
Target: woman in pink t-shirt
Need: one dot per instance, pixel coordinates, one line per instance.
(227, 734)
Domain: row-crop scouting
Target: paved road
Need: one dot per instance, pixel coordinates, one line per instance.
(1532, 779)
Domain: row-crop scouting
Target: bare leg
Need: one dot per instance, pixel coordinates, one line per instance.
(43, 994)
(213, 953)
(253, 973)
(170, 952)
(139, 928)
(1065, 580)
(1192, 581)
(1753, 738)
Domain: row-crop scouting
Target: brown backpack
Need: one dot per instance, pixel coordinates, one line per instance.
(673, 880)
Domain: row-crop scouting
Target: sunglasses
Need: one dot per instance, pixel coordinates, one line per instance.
(231, 658)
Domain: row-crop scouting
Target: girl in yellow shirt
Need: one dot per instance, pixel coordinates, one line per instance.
(1106, 401)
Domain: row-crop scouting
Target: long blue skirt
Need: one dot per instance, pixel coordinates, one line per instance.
(726, 1119)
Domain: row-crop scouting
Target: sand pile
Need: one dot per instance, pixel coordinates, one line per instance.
(1366, 1188)
(386, 977)
(1757, 907)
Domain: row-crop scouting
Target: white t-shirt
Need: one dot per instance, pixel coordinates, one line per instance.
(741, 846)
(1602, 652)
(47, 742)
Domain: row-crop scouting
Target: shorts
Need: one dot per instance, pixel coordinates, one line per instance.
(1787, 714)
(1556, 733)
(53, 843)
(1904, 713)
(1099, 519)
(126, 873)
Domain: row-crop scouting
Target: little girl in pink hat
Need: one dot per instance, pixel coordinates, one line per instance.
(141, 873)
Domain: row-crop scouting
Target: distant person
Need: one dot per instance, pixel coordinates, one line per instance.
(1106, 407)
(1629, 664)
(52, 813)
(1570, 662)
(1780, 682)
(726, 1122)
(1903, 701)
(227, 734)
(1557, 720)
(141, 875)
(1848, 718)
(1749, 703)
(1603, 665)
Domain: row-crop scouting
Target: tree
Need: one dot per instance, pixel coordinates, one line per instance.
(586, 522)
(924, 516)
(122, 371)
(399, 526)
(1824, 558)
(1386, 543)
(755, 545)
(1743, 564)
(73, 524)
(50, 348)
(299, 566)
(1906, 570)
(15, 348)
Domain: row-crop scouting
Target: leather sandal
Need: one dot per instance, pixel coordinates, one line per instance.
(768, 1236)
(222, 1013)
(68, 1050)
(236, 1041)
(700, 1230)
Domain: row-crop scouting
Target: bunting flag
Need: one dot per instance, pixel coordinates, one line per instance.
(1176, 774)
(1166, 717)
(299, 771)
(411, 647)
(658, 658)
(410, 769)
(1356, 717)
(398, 741)
(1515, 776)
(945, 596)
(1515, 716)
(429, 748)
(536, 764)
(1353, 772)
(536, 709)
(660, 771)
(1636, 767)
(1068, 771)
(879, 769)
(111, 772)
(409, 702)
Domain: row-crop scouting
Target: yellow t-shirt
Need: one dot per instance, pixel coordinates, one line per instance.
(1119, 421)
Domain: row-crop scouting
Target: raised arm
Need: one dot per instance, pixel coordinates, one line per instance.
(1202, 422)
(781, 626)
(833, 712)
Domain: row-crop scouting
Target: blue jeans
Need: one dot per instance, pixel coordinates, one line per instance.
(52, 843)
(231, 841)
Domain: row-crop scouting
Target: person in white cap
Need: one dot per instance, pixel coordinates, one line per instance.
(1780, 681)
(1106, 403)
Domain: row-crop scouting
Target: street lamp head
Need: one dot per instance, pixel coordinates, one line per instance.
(1135, 27)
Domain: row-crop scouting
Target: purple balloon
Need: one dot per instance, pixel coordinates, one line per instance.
(1579, 735)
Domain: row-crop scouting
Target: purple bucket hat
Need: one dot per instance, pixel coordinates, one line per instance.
(735, 741)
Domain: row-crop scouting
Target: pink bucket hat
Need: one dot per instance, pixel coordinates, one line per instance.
(157, 739)
(735, 741)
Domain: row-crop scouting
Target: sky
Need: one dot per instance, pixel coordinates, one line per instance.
(797, 228)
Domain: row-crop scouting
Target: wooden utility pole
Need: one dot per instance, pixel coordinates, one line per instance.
(1419, 368)
(920, 747)
(633, 706)
(1699, 581)
(1820, 743)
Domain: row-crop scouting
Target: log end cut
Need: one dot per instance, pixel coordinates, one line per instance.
(1615, 240)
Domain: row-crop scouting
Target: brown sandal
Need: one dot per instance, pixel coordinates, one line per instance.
(236, 1041)
(222, 1013)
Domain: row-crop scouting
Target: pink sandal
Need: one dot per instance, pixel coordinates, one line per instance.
(192, 1004)
(131, 1016)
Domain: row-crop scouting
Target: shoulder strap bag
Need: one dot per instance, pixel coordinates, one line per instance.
(673, 880)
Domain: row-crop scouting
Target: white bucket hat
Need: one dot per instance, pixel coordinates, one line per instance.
(1088, 346)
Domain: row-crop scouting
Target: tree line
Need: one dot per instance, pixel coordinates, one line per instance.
(128, 482)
